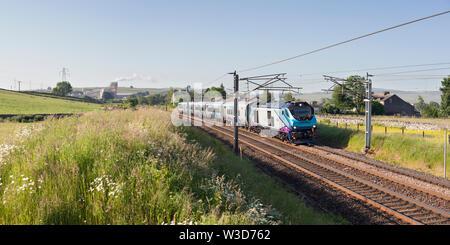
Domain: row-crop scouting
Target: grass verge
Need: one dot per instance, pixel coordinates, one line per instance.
(290, 209)
(134, 167)
(409, 151)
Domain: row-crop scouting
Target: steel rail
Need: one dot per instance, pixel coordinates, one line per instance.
(404, 173)
(358, 196)
(391, 192)
(387, 167)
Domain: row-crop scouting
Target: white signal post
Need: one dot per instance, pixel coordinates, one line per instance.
(368, 101)
(445, 153)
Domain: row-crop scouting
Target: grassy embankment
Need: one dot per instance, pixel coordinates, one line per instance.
(409, 150)
(134, 167)
(19, 103)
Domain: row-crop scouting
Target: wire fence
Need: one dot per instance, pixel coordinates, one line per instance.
(387, 130)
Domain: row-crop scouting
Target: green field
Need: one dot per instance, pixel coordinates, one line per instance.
(19, 103)
(134, 167)
(410, 150)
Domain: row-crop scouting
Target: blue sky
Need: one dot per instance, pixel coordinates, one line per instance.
(172, 43)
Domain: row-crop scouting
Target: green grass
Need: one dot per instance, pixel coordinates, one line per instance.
(7, 130)
(134, 167)
(19, 103)
(409, 150)
(291, 210)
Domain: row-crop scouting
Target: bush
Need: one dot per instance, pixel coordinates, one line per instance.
(430, 111)
(26, 118)
(377, 108)
(327, 108)
(62, 88)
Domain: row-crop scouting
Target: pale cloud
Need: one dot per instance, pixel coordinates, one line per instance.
(135, 77)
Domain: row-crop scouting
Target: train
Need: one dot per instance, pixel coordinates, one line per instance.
(291, 121)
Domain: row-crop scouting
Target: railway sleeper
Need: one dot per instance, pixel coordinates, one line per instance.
(408, 209)
(375, 196)
(390, 200)
(397, 206)
(443, 221)
(431, 218)
(340, 182)
(369, 194)
(359, 186)
(417, 213)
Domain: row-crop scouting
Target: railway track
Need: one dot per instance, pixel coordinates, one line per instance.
(389, 199)
(407, 172)
(407, 182)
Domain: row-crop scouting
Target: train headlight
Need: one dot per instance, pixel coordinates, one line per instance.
(295, 127)
(314, 126)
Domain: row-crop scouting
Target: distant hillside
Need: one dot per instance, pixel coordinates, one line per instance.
(409, 96)
(20, 103)
(130, 90)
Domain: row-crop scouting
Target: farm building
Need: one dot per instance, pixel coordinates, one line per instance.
(394, 105)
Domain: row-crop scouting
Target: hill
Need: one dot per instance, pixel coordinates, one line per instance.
(129, 90)
(20, 103)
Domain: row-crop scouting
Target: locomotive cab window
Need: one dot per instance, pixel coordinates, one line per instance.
(303, 112)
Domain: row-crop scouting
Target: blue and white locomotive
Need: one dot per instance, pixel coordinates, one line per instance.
(293, 122)
(289, 121)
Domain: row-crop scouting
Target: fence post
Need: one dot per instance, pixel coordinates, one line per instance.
(445, 153)
(385, 130)
(403, 131)
(240, 150)
(357, 127)
(423, 134)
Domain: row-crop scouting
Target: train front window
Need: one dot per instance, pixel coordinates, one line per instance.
(301, 112)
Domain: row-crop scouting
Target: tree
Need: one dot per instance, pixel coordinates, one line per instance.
(350, 95)
(377, 108)
(131, 101)
(342, 99)
(445, 97)
(434, 104)
(430, 111)
(62, 88)
(170, 95)
(220, 89)
(327, 108)
(288, 97)
(420, 105)
(357, 91)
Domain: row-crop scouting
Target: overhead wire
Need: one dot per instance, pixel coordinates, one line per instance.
(343, 42)
(374, 69)
(340, 43)
(402, 72)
